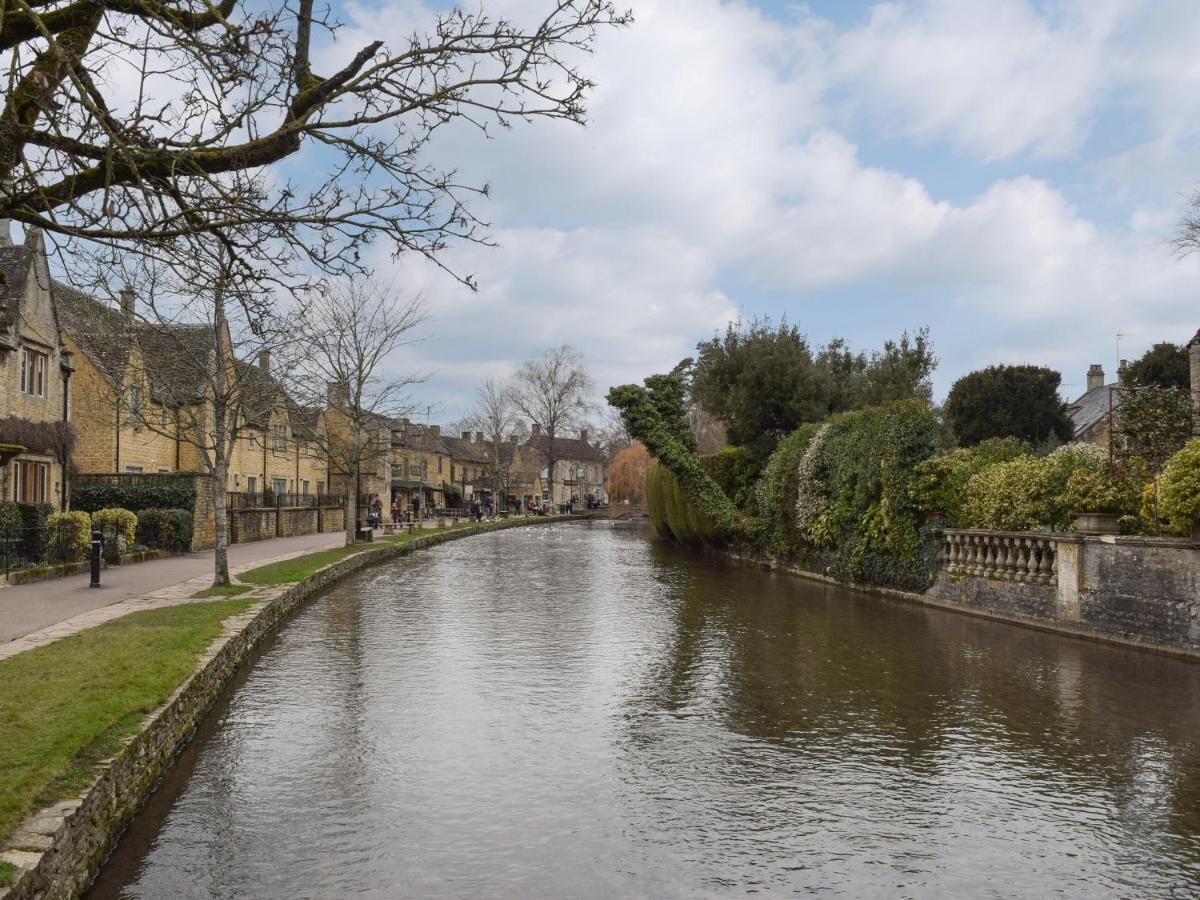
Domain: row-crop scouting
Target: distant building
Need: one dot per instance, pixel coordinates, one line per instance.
(580, 469)
(1090, 412)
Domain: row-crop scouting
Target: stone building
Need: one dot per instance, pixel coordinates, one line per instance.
(580, 469)
(1090, 412)
(420, 467)
(35, 375)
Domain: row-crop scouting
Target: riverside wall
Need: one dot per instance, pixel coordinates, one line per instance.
(59, 849)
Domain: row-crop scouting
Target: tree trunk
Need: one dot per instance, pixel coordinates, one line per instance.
(220, 526)
(351, 513)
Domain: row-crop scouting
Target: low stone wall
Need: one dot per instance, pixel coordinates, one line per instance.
(60, 849)
(246, 525)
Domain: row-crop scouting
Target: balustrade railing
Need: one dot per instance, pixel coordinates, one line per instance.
(1001, 556)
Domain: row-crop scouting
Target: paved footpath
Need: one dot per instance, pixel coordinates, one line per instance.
(35, 614)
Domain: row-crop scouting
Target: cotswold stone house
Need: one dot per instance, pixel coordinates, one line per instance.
(35, 375)
(1194, 364)
(580, 469)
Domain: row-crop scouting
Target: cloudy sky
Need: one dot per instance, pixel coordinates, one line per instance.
(1009, 173)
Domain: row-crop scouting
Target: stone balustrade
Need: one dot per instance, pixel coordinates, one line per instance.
(1001, 556)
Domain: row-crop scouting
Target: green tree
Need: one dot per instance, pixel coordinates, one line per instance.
(1008, 401)
(765, 380)
(1164, 365)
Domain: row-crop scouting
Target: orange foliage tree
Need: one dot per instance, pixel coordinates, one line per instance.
(627, 474)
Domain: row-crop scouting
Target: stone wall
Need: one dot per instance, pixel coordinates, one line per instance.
(246, 525)
(60, 848)
(1134, 590)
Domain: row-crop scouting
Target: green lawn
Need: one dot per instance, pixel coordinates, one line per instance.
(65, 706)
(292, 570)
(225, 590)
(7, 872)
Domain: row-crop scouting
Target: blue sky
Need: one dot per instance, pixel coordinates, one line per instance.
(1008, 173)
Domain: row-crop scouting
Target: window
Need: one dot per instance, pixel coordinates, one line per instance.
(133, 403)
(305, 483)
(164, 417)
(251, 484)
(452, 476)
(31, 480)
(33, 372)
(280, 437)
(439, 465)
(320, 487)
(279, 486)
(133, 469)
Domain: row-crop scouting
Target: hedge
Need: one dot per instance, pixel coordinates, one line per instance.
(1029, 493)
(775, 493)
(70, 534)
(156, 529)
(673, 517)
(147, 492)
(1179, 489)
(736, 472)
(35, 537)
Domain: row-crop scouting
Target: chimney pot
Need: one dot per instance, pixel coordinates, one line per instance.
(1095, 376)
(479, 437)
(537, 430)
(264, 360)
(466, 435)
(583, 435)
(128, 301)
(435, 430)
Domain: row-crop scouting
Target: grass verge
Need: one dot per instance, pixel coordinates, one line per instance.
(67, 705)
(224, 590)
(7, 872)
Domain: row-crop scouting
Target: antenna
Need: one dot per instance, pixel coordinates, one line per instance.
(1121, 334)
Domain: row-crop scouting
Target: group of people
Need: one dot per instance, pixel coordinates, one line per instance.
(477, 508)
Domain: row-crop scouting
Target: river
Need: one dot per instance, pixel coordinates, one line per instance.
(582, 711)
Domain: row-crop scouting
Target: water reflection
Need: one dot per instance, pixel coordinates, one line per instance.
(581, 712)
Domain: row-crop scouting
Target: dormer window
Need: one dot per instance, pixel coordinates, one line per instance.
(33, 372)
(133, 403)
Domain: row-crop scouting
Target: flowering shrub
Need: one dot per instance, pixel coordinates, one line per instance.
(775, 493)
(1179, 488)
(70, 534)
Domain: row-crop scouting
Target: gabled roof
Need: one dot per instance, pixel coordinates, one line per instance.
(468, 450)
(101, 332)
(567, 448)
(419, 437)
(1195, 341)
(15, 263)
(1090, 408)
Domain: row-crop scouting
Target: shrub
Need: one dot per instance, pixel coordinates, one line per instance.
(35, 537)
(775, 493)
(167, 491)
(940, 483)
(70, 535)
(1179, 488)
(735, 471)
(119, 527)
(156, 529)
(1103, 490)
(1029, 493)
(181, 521)
(10, 521)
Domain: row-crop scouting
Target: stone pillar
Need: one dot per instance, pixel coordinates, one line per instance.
(1068, 554)
(1194, 361)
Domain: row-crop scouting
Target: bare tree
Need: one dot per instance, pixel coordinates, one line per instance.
(345, 338)
(552, 391)
(494, 415)
(122, 122)
(196, 320)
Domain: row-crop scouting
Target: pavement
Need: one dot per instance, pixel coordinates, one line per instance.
(33, 608)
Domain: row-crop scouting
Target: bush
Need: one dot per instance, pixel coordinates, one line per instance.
(854, 489)
(1103, 490)
(119, 527)
(736, 472)
(35, 537)
(940, 483)
(1179, 489)
(181, 521)
(10, 521)
(1029, 493)
(70, 535)
(775, 493)
(168, 491)
(156, 529)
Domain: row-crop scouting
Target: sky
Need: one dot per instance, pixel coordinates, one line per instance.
(1008, 173)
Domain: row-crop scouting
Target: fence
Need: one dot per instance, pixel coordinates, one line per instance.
(40, 546)
(1002, 556)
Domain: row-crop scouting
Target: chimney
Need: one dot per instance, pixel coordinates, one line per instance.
(336, 394)
(264, 360)
(1095, 376)
(583, 435)
(537, 430)
(1122, 370)
(128, 301)
(1193, 349)
(466, 435)
(435, 430)
(479, 437)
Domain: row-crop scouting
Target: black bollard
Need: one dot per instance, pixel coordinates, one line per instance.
(97, 545)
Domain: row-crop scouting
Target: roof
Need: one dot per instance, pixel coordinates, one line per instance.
(419, 437)
(568, 448)
(470, 451)
(15, 263)
(101, 332)
(1195, 341)
(1089, 409)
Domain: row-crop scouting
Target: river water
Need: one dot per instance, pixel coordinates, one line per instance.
(581, 711)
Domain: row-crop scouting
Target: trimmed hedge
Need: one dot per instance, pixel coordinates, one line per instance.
(70, 535)
(175, 491)
(181, 521)
(1029, 493)
(156, 529)
(35, 537)
(1179, 489)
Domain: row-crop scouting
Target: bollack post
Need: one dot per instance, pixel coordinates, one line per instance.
(97, 546)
